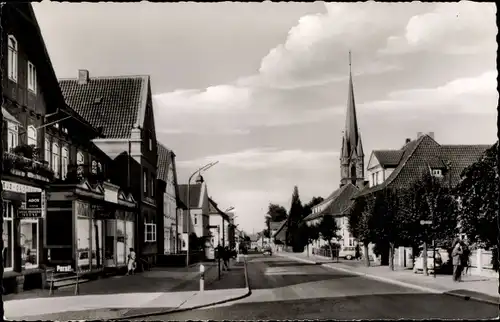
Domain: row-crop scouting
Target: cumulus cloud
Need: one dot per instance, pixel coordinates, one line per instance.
(266, 158)
(463, 28)
(464, 95)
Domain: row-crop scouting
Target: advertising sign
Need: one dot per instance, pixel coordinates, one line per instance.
(33, 206)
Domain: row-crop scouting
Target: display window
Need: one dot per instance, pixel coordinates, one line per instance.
(29, 234)
(83, 243)
(8, 236)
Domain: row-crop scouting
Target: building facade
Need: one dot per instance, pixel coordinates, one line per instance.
(167, 201)
(122, 108)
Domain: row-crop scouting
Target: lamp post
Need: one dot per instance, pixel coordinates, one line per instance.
(188, 206)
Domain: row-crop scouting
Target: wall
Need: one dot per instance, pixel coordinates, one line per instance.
(378, 175)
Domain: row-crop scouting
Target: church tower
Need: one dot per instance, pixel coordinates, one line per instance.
(352, 167)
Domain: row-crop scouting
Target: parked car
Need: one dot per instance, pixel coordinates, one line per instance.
(347, 252)
(268, 251)
(418, 266)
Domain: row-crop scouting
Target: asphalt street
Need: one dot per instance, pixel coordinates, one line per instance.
(286, 289)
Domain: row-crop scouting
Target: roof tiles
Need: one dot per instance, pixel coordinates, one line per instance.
(111, 103)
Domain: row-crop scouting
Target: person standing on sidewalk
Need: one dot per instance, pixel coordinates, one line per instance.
(357, 253)
(465, 260)
(225, 257)
(456, 254)
(131, 265)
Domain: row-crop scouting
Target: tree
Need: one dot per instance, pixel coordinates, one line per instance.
(478, 193)
(328, 230)
(309, 206)
(385, 225)
(360, 222)
(311, 234)
(276, 213)
(429, 199)
(294, 219)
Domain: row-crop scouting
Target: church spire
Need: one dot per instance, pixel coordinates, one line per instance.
(352, 156)
(351, 122)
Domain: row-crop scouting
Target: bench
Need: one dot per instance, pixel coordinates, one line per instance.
(53, 277)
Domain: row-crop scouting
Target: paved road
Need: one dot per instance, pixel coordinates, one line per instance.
(286, 289)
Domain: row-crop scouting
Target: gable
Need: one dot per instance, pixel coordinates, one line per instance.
(373, 162)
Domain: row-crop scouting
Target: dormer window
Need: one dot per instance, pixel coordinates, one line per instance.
(31, 77)
(437, 173)
(12, 58)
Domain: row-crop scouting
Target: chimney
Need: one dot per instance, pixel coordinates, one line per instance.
(419, 134)
(408, 140)
(431, 134)
(83, 76)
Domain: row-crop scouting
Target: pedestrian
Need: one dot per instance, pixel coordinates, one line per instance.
(357, 253)
(225, 257)
(131, 265)
(457, 265)
(465, 260)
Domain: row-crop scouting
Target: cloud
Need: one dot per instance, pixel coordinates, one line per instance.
(463, 28)
(464, 95)
(267, 158)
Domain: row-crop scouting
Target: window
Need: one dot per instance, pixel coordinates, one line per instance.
(8, 236)
(29, 243)
(12, 58)
(65, 162)
(47, 152)
(150, 144)
(145, 183)
(120, 241)
(12, 136)
(129, 230)
(437, 172)
(55, 159)
(195, 220)
(32, 139)
(83, 242)
(152, 185)
(79, 158)
(94, 167)
(31, 77)
(149, 232)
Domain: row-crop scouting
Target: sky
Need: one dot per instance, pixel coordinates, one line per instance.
(262, 87)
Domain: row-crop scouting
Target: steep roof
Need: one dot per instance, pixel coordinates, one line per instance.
(275, 225)
(213, 209)
(116, 104)
(281, 231)
(388, 158)
(194, 194)
(163, 162)
(340, 202)
(351, 133)
(424, 153)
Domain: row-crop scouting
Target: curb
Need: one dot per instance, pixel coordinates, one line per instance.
(178, 309)
(399, 283)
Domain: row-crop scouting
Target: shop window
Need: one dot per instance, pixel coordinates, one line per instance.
(83, 243)
(32, 136)
(29, 243)
(8, 236)
(120, 241)
(150, 232)
(110, 247)
(79, 158)
(97, 259)
(129, 230)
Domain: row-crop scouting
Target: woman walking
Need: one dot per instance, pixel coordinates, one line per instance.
(131, 265)
(456, 254)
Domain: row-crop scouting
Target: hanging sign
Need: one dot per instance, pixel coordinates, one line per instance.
(33, 206)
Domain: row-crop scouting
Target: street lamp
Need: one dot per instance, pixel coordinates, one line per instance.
(188, 206)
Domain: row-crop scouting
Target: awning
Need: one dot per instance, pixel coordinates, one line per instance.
(9, 117)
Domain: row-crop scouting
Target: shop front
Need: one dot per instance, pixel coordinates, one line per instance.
(22, 252)
(101, 222)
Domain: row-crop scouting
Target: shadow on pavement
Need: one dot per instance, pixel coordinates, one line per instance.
(289, 280)
(386, 306)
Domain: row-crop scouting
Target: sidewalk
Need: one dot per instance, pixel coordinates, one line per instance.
(128, 296)
(476, 287)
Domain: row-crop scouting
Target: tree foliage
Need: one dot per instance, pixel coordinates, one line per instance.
(478, 192)
(276, 212)
(328, 230)
(293, 232)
